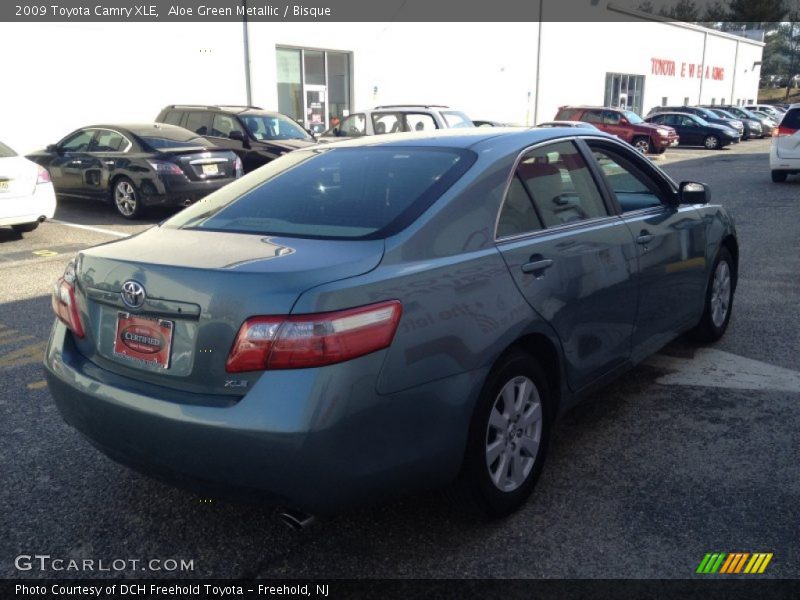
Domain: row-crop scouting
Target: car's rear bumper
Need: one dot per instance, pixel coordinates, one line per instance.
(178, 190)
(41, 204)
(294, 441)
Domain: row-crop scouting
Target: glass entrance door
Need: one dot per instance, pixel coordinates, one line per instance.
(625, 91)
(316, 108)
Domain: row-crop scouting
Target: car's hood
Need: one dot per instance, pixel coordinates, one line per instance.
(282, 146)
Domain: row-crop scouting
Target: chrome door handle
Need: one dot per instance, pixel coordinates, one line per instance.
(537, 266)
(74, 162)
(645, 237)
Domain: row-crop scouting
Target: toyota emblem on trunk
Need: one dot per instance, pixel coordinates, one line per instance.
(133, 293)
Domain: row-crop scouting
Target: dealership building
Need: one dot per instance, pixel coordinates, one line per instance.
(61, 76)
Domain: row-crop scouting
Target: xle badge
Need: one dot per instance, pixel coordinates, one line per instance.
(235, 383)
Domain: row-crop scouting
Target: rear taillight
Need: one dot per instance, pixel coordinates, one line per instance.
(43, 177)
(303, 341)
(782, 131)
(63, 301)
(238, 169)
(163, 167)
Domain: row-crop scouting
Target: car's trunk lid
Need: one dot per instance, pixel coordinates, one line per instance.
(17, 177)
(199, 288)
(202, 164)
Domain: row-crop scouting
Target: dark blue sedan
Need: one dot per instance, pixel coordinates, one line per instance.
(393, 313)
(696, 131)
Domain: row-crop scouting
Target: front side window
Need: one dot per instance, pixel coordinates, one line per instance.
(560, 185)
(593, 116)
(354, 126)
(633, 188)
(456, 119)
(611, 118)
(274, 127)
(331, 193)
(78, 142)
(223, 125)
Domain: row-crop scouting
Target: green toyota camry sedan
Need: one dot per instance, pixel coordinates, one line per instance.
(363, 319)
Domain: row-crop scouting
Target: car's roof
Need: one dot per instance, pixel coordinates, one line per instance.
(675, 112)
(591, 107)
(466, 137)
(137, 128)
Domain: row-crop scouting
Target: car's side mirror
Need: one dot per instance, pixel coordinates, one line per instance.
(236, 135)
(622, 121)
(52, 148)
(690, 192)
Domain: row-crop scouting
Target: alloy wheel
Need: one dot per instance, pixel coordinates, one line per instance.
(720, 293)
(125, 198)
(642, 145)
(514, 433)
(711, 142)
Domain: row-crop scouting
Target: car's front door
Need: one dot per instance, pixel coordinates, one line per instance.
(106, 154)
(67, 163)
(671, 244)
(572, 258)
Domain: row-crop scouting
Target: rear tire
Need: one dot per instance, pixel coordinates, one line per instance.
(719, 299)
(25, 227)
(127, 199)
(508, 436)
(779, 176)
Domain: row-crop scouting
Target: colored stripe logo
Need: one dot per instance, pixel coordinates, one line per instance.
(734, 563)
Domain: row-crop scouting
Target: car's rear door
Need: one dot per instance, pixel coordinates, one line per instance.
(572, 258)
(670, 242)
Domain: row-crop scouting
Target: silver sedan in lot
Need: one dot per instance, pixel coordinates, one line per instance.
(388, 314)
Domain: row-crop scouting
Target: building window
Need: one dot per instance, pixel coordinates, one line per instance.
(714, 101)
(686, 101)
(314, 86)
(722, 102)
(625, 91)
(664, 101)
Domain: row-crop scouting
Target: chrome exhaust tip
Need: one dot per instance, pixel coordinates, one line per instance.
(295, 519)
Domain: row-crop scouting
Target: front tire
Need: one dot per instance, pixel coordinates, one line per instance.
(719, 299)
(711, 143)
(127, 199)
(508, 435)
(779, 176)
(25, 227)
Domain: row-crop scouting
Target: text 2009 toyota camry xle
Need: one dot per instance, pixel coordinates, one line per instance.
(383, 315)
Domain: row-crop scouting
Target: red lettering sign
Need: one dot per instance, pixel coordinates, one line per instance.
(667, 68)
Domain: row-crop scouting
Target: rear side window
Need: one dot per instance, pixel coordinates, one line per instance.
(593, 116)
(173, 117)
(568, 114)
(5, 151)
(386, 123)
(420, 122)
(198, 122)
(792, 119)
(335, 193)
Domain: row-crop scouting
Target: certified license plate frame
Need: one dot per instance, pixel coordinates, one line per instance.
(210, 169)
(142, 351)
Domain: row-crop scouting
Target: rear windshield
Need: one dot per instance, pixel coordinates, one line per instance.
(791, 119)
(157, 143)
(331, 193)
(5, 151)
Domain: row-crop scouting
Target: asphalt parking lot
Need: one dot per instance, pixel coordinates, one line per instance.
(694, 451)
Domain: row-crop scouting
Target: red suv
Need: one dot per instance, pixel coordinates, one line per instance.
(627, 125)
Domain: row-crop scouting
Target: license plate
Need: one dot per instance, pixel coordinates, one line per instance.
(4, 185)
(143, 339)
(211, 169)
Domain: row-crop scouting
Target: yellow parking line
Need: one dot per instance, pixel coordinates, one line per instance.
(37, 385)
(27, 355)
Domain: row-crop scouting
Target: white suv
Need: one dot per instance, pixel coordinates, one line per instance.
(395, 119)
(784, 155)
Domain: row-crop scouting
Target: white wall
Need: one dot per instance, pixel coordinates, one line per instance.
(64, 76)
(61, 76)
